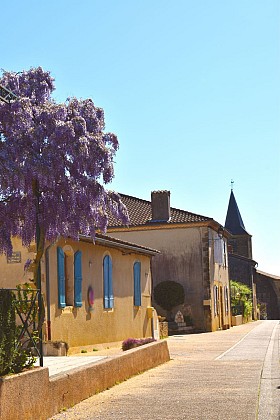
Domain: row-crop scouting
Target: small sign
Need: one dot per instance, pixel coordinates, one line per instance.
(14, 258)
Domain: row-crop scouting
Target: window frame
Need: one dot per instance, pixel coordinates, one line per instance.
(216, 299)
(137, 290)
(108, 292)
(226, 299)
(75, 280)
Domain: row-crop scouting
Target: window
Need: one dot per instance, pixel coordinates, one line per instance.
(78, 279)
(224, 254)
(61, 278)
(108, 283)
(218, 251)
(137, 283)
(226, 299)
(69, 276)
(216, 299)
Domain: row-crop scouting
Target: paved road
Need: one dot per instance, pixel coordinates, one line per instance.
(226, 375)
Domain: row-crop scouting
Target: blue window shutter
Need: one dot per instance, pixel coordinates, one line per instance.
(110, 276)
(78, 279)
(108, 283)
(137, 283)
(61, 278)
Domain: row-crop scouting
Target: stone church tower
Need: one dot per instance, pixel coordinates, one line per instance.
(242, 267)
(241, 241)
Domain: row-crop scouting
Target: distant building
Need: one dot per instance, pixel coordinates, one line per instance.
(240, 242)
(193, 252)
(268, 293)
(243, 268)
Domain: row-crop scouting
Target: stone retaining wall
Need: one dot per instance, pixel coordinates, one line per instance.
(33, 395)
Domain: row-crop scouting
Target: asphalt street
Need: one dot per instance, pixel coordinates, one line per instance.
(225, 375)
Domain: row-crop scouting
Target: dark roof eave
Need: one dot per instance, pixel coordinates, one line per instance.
(159, 223)
(241, 257)
(271, 276)
(119, 244)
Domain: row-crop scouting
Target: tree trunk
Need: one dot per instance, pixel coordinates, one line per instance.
(39, 235)
(39, 255)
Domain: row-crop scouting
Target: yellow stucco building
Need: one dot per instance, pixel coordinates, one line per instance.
(93, 292)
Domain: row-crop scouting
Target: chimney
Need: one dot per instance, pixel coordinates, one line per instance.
(160, 206)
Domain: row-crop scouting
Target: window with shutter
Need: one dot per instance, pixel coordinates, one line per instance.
(137, 283)
(216, 299)
(218, 251)
(69, 277)
(78, 279)
(108, 294)
(226, 299)
(61, 278)
(225, 254)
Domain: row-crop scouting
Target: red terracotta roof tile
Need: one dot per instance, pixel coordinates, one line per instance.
(140, 213)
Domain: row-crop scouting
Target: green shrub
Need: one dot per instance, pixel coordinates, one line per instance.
(7, 331)
(169, 294)
(241, 299)
(23, 359)
(15, 346)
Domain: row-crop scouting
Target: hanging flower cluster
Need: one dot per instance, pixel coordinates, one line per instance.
(60, 148)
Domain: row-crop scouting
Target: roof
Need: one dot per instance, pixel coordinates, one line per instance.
(241, 257)
(106, 240)
(234, 223)
(140, 213)
(272, 276)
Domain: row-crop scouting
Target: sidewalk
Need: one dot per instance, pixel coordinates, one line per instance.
(77, 359)
(203, 381)
(73, 379)
(62, 364)
(176, 344)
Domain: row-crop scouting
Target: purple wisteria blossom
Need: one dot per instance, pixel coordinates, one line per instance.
(27, 264)
(57, 157)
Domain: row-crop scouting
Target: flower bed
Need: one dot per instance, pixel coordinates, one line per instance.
(131, 343)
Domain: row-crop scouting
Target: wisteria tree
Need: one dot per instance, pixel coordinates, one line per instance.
(55, 160)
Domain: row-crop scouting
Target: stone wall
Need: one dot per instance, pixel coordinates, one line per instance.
(241, 245)
(267, 293)
(32, 395)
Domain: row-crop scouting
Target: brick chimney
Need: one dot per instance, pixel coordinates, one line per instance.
(160, 206)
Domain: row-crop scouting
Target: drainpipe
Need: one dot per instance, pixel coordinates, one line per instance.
(206, 309)
(152, 297)
(254, 289)
(48, 292)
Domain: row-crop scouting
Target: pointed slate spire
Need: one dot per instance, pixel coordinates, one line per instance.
(234, 223)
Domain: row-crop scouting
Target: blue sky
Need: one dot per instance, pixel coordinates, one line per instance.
(191, 88)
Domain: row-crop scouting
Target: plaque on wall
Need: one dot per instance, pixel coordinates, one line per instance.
(14, 258)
